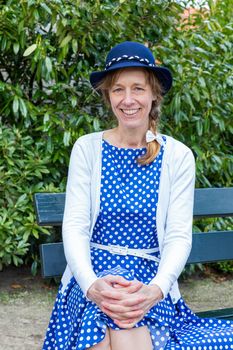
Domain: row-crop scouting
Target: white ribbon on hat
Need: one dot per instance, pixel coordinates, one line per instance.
(150, 136)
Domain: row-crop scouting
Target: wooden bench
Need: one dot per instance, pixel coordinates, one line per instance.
(207, 247)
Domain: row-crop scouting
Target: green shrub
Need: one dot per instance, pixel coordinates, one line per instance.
(225, 266)
(48, 49)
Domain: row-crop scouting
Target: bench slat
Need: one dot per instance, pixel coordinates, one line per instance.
(213, 202)
(208, 202)
(49, 208)
(226, 314)
(53, 261)
(211, 247)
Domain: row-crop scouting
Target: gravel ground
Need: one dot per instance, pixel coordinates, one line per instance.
(26, 303)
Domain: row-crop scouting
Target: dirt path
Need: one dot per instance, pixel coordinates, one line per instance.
(25, 307)
(26, 303)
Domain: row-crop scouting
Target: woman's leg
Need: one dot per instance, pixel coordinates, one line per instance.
(131, 339)
(104, 344)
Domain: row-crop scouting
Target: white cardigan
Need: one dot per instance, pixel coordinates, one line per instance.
(173, 218)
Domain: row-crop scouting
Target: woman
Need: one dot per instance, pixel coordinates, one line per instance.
(127, 225)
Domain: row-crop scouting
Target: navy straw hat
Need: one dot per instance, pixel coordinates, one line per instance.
(132, 54)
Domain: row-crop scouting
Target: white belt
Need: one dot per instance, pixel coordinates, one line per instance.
(116, 249)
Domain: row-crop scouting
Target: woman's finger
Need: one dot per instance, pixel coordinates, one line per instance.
(134, 287)
(114, 279)
(125, 324)
(128, 323)
(112, 294)
(119, 308)
(129, 299)
(109, 313)
(123, 315)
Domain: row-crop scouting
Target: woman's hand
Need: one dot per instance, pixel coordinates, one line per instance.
(112, 290)
(124, 314)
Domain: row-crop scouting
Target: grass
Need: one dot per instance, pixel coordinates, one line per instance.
(20, 297)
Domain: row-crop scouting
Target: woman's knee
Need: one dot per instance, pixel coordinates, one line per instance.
(104, 344)
(131, 339)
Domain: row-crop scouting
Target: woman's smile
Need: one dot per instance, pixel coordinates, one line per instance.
(130, 111)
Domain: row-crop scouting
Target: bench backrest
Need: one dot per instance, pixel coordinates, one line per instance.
(207, 247)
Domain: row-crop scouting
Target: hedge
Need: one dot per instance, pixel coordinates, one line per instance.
(47, 51)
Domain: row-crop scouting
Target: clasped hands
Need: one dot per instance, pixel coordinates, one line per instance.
(125, 302)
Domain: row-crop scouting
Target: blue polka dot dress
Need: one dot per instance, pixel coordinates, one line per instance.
(127, 217)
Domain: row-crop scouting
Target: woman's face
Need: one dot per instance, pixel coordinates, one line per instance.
(131, 98)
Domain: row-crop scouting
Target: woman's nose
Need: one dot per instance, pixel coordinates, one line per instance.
(128, 98)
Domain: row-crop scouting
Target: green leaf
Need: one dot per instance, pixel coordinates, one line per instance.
(15, 104)
(177, 102)
(16, 48)
(74, 101)
(96, 124)
(48, 64)
(66, 138)
(74, 45)
(21, 199)
(26, 235)
(189, 101)
(35, 233)
(3, 43)
(30, 50)
(15, 260)
(65, 41)
(196, 93)
(46, 8)
(201, 81)
(199, 127)
(46, 118)
(22, 107)
(34, 268)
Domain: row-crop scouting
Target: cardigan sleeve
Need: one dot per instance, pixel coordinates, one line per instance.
(77, 221)
(177, 241)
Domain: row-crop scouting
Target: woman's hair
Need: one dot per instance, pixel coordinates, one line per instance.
(152, 147)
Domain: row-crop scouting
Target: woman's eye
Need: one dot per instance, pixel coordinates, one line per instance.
(117, 90)
(138, 88)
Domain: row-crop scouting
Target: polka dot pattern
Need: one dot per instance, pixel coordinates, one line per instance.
(128, 201)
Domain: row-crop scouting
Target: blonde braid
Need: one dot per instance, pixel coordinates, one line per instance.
(154, 116)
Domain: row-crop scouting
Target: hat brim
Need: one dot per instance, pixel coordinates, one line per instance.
(163, 74)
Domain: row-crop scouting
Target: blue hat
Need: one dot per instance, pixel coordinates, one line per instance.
(132, 54)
